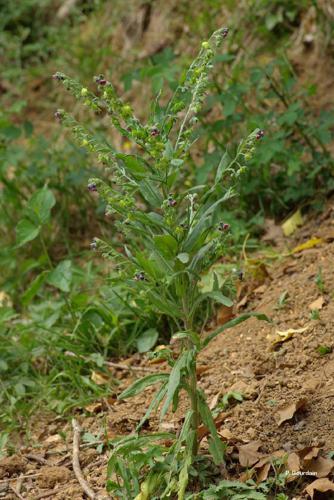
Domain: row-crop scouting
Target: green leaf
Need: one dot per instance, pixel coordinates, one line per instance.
(40, 205)
(166, 244)
(61, 276)
(141, 384)
(216, 447)
(174, 381)
(150, 193)
(183, 257)
(218, 297)
(35, 286)
(223, 164)
(26, 231)
(232, 323)
(147, 340)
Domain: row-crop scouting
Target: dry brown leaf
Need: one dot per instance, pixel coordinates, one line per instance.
(249, 454)
(261, 289)
(309, 453)
(227, 434)
(294, 462)
(321, 485)
(263, 473)
(317, 304)
(287, 411)
(204, 431)
(322, 466)
(242, 302)
(224, 314)
(99, 378)
(94, 407)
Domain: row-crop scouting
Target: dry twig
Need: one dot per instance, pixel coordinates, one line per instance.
(76, 462)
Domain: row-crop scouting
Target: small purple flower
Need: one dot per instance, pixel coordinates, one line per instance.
(100, 80)
(92, 186)
(154, 132)
(58, 115)
(139, 276)
(58, 76)
(224, 32)
(93, 245)
(259, 134)
(171, 202)
(223, 227)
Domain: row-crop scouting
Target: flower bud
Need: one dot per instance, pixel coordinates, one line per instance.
(224, 32)
(92, 186)
(58, 115)
(84, 91)
(139, 276)
(205, 45)
(154, 132)
(223, 227)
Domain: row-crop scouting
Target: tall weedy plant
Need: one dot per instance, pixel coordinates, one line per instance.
(166, 235)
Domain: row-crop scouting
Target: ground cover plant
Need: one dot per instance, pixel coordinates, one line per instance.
(167, 235)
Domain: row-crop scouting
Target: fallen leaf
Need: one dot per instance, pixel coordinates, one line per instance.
(293, 462)
(317, 304)
(283, 336)
(224, 314)
(242, 302)
(321, 485)
(94, 408)
(99, 378)
(288, 411)
(291, 224)
(308, 244)
(227, 434)
(308, 452)
(249, 454)
(322, 466)
(263, 473)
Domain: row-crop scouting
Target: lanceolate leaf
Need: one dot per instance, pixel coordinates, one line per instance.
(233, 322)
(141, 384)
(216, 447)
(174, 381)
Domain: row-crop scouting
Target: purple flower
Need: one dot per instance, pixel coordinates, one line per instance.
(259, 134)
(100, 80)
(58, 76)
(154, 132)
(58, 115)
(224, 32)
(223, 227)
(92, 187)
(139, 276)
(93, 245)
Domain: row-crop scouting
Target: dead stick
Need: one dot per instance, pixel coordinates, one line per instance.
(129, 368)
(17, 493)
(76, 462)
(20, 477)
